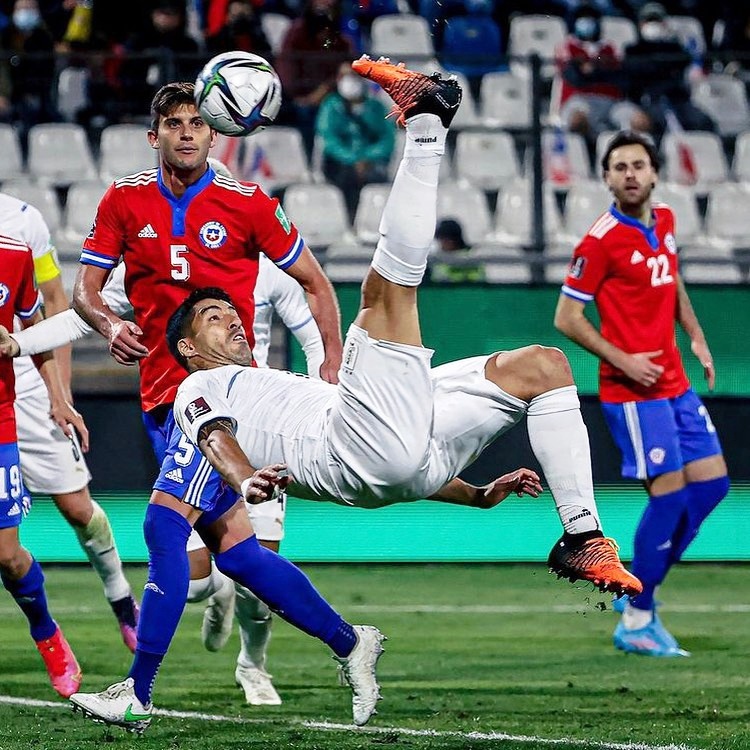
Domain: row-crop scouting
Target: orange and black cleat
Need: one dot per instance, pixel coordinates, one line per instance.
(62, 665)
(413, 93)
(595, 560)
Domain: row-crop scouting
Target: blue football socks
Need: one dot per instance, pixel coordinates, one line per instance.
(704, 497)
(166, 533)
(288, 592)
(32, 599)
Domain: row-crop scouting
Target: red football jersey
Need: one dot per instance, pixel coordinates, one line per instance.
(211, 236)
(631, 272)
(18, 296)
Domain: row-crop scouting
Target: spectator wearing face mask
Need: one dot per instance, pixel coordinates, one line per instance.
(656, 69)
(589, 78)
(356, 139)
(26, 83)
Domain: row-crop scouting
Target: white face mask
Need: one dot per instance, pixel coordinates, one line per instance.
(351, 87)
(26, 19)
(653, 31)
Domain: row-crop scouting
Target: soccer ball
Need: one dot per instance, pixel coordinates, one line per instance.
(238, 93)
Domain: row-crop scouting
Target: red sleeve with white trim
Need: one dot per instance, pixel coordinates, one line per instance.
(587, 270)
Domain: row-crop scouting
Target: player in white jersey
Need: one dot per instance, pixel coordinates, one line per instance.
(276, 292)
(52, 463)
(393, 429)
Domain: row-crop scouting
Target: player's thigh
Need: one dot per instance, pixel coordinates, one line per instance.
(199, 557)
(14, 499)
(699, 440)
(647, 435)
(52, 462)
(381, 417)
(470, 412)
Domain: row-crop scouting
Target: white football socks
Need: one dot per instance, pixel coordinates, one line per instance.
(216, 582)
(407, 226)
(98, 543)
(634, 618)
(560, 442)
(254, 618)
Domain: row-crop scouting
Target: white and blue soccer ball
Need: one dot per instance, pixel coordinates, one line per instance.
(238, 93)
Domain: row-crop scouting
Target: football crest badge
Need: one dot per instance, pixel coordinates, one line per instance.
(213, 234)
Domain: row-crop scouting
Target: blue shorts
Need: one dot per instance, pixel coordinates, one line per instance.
(15, 502)
(659, 436)
(185, 472)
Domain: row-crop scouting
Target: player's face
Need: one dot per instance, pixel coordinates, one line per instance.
(183, 139)
(630, 177)
(218, 337)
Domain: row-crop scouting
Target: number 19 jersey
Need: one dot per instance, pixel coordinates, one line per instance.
(630, 270)
(211, 236)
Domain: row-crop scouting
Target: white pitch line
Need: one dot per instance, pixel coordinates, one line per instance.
(325, 726)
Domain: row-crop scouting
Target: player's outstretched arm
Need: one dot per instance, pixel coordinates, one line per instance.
(688, 320)
(57, 330)
(521, 482)
(218, 444)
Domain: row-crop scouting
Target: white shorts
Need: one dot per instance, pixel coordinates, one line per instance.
(51, 462)
(267, 520)
(399, 430)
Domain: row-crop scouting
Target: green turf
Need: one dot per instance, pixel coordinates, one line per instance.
(543, 673)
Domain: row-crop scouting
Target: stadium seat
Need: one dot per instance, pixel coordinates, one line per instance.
(513, 218)
(602, 141)
(124, 150)
(275, 26)
(11, 165)
(706, 153)
(556, 271)
(486, 159)
(682, 200)
(68, 272)
(689, 33)
(80, 210)
(727, 216)
(724, 99)
(466, 117)
(372, 199)
(505, 101)
(40, 196)
(397, 153)
(562, 166)
(620, 31)
(697, 272)
(538, 34)
(502, 265)
(741, 162)
(586, 201)
(275, 158)
(319, 212)
(347, 261)
(72, 91)
(59, 154)
(468, 206)
(401, 36)
(471, 45)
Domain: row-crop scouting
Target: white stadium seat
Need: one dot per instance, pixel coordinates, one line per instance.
(576, 158)
(538, 34)
(41, 197)
(689, 33)
(707, 153)
(467, 205)
(347, 261)
(59, 154)
(400, 37)
(124, 150)
(683, 202)
(275, 158)
(695, 272)
(741, 162)
(319, 213)
(80, 210)
(505, 101)
(513, 219)
(275, 27)
(372, 200)
(586, 201)
(620, 31)
(72, 91)
(11, 165)
(486, 159)
(724, 99)
(727, 215)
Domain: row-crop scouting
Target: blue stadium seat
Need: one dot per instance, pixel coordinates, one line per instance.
(472, 46)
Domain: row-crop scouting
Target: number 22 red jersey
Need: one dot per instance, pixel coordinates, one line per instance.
(630, 270)
(211, 236)
(18, 296)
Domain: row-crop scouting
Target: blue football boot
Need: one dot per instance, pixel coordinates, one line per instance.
(620, 602)
(652, 640)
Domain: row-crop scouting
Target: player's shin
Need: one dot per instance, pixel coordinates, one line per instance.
(254, 618)
(28, 592)
(166, 533)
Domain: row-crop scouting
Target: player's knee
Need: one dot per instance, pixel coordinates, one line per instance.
(552, 367)
(12, 560)
(75, 507)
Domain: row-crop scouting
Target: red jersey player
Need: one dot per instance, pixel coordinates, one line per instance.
(181, 227)
(627, 264)
(21, 574)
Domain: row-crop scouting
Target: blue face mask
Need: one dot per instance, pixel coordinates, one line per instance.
(26, 19)
(586, 28)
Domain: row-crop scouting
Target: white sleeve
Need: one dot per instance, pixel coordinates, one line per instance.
(37, 235)
(197, 404)
(114, 292)
(56, 331)
(311, 342)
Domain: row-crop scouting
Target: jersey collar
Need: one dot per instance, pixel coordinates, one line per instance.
(180, 205)
(648, 232)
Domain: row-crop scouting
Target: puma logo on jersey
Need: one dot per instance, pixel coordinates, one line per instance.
(636, 257)
(148, 232)
(175, 475)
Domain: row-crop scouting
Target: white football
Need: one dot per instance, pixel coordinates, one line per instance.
(238, 93)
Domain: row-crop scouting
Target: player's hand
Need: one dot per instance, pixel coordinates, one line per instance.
(8, 345)
(64, 415)
(124, 345)
(521, 482)
(640, 368)
(264, 483)
(702, 352)
(329, 369)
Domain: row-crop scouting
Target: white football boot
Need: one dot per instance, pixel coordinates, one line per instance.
(116, 705)
(358, 670)
(257, 685)
(218, 618)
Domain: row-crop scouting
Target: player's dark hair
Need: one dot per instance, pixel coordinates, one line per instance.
(179, 323)
(631, 138)
(168, 98)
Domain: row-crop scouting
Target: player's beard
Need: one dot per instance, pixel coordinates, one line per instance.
(633, 200)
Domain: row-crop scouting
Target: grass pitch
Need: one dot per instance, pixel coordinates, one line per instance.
(475, 654)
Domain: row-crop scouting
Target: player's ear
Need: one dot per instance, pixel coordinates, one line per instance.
(185, 348)
(153, 139)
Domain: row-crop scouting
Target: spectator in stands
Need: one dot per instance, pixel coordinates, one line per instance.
(589, 79)
(357, 140)
(737, 44)
(656, 69)
(449, 241)
(308, 63)
(26, 84)
(242, 30)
